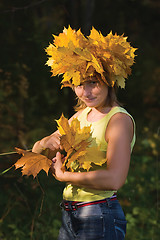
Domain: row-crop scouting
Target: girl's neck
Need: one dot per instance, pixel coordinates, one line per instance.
(96, 114)
(103, 109)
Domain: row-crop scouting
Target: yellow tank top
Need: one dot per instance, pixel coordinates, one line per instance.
(98, 128)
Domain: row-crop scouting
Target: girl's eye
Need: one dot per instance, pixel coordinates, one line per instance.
(93, 82)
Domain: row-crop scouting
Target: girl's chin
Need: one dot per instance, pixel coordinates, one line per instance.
(90, 103)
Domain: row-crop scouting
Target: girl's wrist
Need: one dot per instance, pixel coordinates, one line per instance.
(63, 176)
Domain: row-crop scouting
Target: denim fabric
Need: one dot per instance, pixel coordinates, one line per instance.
(103, 221)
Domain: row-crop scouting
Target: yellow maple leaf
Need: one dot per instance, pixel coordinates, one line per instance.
(32, 163)
(76, 78)
(83, 53)
(120, 81)
(74, 140)
(74, 155)
(91, 156)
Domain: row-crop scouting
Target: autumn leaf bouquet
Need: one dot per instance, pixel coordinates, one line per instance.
(76, 143)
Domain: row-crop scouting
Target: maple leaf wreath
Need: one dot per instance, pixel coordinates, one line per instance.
(78, 58)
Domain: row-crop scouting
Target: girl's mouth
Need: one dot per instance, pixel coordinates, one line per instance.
(89, 99)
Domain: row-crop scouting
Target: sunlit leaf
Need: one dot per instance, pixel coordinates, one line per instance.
(32, 163)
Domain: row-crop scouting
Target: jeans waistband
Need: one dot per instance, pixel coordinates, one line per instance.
(74, 205)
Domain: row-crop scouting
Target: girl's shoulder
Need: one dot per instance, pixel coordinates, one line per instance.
(120, 122)
(120, 116)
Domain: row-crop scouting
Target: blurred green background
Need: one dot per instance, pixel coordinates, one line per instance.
(30, 101)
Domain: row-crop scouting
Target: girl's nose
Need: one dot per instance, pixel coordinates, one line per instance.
(86, 90)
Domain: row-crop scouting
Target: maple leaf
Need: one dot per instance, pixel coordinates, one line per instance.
(91, 156)
(120, 81)
(32, 163)
(74, 140)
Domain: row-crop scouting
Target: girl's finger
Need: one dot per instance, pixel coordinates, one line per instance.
(58, 156)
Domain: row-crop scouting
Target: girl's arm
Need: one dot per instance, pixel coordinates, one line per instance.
(118, 135)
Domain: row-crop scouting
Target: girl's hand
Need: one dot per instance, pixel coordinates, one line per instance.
(56, 168)
(51, 142)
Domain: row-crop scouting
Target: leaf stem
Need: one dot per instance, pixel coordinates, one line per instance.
(6, 170)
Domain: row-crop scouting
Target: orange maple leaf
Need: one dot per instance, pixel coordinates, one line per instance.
(32, 163)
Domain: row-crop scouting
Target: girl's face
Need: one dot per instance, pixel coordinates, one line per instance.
(93, 93)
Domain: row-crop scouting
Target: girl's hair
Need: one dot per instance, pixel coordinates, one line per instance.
(111, 99)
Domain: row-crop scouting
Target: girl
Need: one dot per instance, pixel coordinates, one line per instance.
(90, 208)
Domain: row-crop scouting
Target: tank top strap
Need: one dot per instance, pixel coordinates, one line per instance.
(115, 110)
(84, 113)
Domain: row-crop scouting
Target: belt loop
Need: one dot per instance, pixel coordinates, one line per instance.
(109, 202)
(76, 207)
(70, 206)
(106, 201)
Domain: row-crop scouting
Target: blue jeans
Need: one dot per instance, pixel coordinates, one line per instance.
(103, 221)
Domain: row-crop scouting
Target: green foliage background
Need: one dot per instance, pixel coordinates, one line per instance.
(30, 101)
